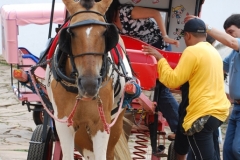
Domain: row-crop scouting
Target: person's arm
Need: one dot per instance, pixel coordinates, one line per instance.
(173, 78)
(151, 51)
(224, 38)
(141, 12)
(220, 36)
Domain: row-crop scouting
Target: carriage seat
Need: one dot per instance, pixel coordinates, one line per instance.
(136, 44)
(144, 68)
(27, 59)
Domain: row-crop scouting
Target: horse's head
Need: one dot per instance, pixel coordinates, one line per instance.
(87, 41)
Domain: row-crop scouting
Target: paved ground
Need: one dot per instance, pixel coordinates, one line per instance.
(16, 124)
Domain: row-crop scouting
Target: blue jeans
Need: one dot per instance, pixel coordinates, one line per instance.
(231, 147)
(166, 104)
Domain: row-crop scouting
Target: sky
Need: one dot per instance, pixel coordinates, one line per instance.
(214, 12)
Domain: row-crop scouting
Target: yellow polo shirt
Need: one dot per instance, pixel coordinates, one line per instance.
(202, 66)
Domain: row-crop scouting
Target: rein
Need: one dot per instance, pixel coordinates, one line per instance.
(69, 120)
(88, 53)
(106, 125)
(89, 11)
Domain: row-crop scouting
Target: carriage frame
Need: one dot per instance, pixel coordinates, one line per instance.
(44, 142)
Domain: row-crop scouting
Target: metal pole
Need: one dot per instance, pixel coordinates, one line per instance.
(51, 20)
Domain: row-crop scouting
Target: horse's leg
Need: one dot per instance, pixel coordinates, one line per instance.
(66, 137)
(65, 133)
(115, 134)
(100, 144)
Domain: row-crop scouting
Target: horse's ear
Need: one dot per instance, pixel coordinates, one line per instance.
(64, 41)
(103, 5)
(112, 37)
(72, 6)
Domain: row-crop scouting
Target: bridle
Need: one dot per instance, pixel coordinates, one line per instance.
(87, 22)
(65, 50)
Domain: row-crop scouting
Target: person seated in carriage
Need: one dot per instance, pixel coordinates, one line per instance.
(136, 22)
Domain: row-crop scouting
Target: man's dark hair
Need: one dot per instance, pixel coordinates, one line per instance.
(210, 39)
(234, 19)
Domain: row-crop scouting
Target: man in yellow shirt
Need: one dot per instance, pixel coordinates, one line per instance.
(205, 105)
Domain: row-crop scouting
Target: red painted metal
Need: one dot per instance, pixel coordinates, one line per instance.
(143, 100)
(144, 68)
(140, 147)
(135, 44)
(55, 42)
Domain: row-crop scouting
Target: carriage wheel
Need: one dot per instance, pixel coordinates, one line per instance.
(40, 151)
(171, 152)
(38, 117)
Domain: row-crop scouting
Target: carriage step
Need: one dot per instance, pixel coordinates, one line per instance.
(20, 75)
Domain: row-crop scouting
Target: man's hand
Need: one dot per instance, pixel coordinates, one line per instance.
(151, 51)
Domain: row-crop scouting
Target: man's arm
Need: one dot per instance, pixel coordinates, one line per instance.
(173, 78)
(220, 36)
(224, 38)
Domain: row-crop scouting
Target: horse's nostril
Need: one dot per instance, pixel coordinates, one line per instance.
(79, 82)
(99, 80)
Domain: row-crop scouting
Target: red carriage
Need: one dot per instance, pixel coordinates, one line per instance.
(45, 143)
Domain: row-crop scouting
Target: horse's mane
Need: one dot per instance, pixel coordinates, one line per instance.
(87, 3)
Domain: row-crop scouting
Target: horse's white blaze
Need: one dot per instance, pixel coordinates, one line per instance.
(88, 31)
(100, 143)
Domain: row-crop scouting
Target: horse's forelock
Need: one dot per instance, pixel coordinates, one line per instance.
(87, 3)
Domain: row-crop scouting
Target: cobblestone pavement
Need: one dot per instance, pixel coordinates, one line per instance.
(16, 123)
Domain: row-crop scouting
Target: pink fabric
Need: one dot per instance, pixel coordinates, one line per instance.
(33, 13)
(15, 15)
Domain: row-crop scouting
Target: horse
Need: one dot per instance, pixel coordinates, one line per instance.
(81, 78)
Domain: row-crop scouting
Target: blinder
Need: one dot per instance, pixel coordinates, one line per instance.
(111, 35)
